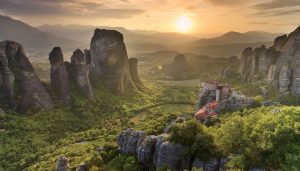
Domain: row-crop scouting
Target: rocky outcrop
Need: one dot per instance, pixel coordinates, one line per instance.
(59, 75)
(110, 60)
(145, 152)
(88, 59)
(130, 140)
(62, 164)
(180, 68)
(171, 155)
(81, 74)
(82, 167)
(133, 70)
(231, 70)
(22, 88)
(256, 63)
(279, 65)
(156, 151)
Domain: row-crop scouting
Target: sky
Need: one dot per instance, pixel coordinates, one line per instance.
(207, 16)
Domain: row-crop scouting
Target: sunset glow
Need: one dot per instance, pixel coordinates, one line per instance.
(183, 24)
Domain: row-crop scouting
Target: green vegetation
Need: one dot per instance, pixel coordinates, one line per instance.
(37, 139)
(266, 137)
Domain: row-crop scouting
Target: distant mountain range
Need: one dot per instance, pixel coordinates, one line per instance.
(238, 38)
(42, 39)
(30, 37)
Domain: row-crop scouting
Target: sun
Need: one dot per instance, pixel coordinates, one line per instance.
(183, 24)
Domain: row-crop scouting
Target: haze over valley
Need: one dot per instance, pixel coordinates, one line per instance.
(149, 85)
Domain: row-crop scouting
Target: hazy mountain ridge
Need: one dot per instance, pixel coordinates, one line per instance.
(237, 37)
(30, 37)
(39, 41)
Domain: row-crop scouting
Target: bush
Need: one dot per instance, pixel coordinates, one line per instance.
(236, 162)
(185, 133)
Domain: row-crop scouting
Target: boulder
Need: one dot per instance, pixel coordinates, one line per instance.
(23, 88)
(198, 164)
(81, 74)
(171, 155)
(62, 164)
(146, 150)
(270, 103)
(59, 76)
(129, 141)
(212, 165)
(110, 60)
(82, 167)
(160, 139)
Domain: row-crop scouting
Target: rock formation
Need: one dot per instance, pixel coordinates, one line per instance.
(88, 59)
(130, 140)
(256, 63)
(279, 65)
(145, 152)
(172, 155)
(179, 68)
(231, 70)
(133, 70)
(59, 75)
(81, 70)
(23, 89)
(110, 60)
(62, 164)
(82, 167)
(156, 151)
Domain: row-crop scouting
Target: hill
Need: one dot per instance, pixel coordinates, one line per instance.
(228, 44)
(30, 37)
(238, 38)
(136, 41)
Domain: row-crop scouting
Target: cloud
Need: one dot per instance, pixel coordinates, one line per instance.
(273, 24)
(225, 2)
(127, 1)
(273, 4)
(277, 13)
(259, 23)
(70, 8)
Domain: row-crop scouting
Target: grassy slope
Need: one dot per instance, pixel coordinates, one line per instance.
(36, 141)
(75, 131)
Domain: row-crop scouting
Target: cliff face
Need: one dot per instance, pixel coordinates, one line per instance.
(180, 67)
(279, 64)
(110, 60)
(23, 90)
(59, 75)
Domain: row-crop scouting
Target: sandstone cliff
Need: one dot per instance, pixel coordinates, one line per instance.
(110, 60)
(279, 65)
(59, 75)
(22, 88)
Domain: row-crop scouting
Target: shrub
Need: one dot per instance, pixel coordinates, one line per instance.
(236, 162)
(185, 133)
